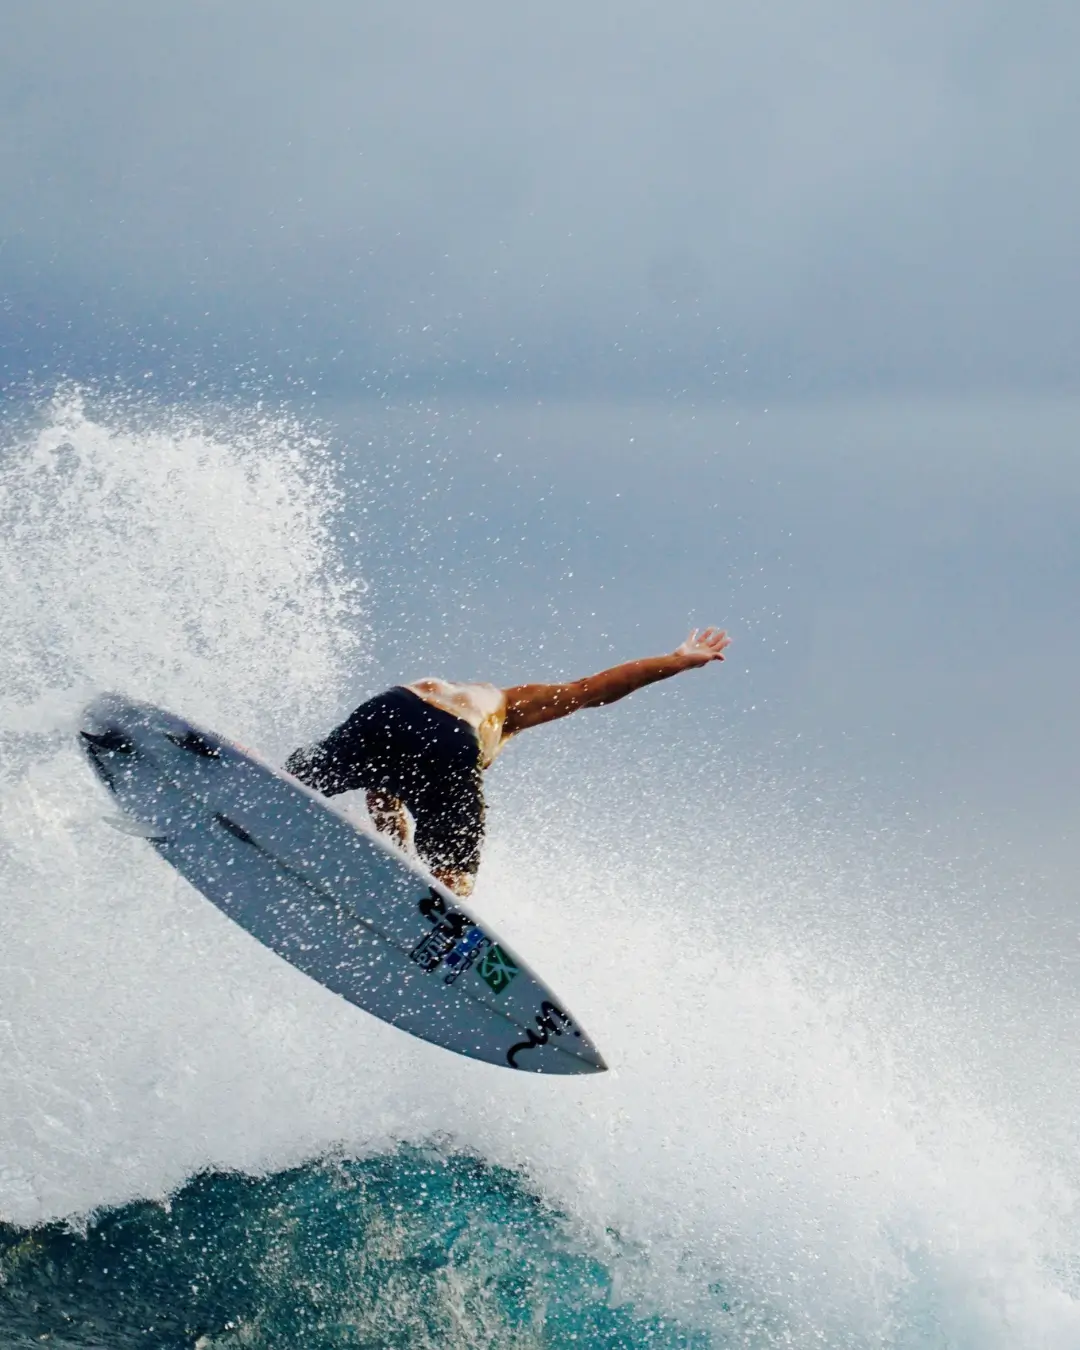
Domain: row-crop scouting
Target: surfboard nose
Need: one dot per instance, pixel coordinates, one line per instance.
(594, 1059)
(582, 1058)
(556, 1044)
(583, 1049)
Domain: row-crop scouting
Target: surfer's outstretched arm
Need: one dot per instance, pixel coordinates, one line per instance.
(530, 705)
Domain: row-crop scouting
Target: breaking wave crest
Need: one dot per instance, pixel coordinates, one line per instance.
(802, 1144)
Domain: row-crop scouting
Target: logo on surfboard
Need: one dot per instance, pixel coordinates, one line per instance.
(496, 969)
(457, 944)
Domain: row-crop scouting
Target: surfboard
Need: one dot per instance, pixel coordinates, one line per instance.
(328, 893)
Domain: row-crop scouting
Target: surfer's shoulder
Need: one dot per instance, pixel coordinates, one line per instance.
(472, 702)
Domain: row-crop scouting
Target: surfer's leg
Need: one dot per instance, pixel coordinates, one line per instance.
(357, 753)
(391, 816)
(449, 830)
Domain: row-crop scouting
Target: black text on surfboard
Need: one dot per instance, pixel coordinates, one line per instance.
(550, 1021)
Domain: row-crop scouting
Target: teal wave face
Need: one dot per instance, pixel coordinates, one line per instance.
(412, 1249)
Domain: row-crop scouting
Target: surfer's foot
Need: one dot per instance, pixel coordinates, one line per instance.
(461, 883)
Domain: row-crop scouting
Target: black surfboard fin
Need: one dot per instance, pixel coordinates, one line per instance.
(198, 745)
(112, 742)
(135, 828)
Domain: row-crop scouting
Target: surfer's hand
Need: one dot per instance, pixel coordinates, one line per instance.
(702, 647)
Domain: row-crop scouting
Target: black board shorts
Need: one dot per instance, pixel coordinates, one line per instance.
(398, 744)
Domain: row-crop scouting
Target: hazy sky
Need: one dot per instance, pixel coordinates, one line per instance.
(811, 197)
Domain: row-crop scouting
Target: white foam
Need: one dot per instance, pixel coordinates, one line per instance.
(788, 1115)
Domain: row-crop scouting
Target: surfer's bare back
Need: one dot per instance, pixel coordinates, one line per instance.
(419, 750)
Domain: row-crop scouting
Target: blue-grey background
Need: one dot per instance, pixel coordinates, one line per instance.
(724, 198)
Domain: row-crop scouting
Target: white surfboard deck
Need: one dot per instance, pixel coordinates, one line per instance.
(332, 896)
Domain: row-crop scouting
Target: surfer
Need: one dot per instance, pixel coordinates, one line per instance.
(419, 750)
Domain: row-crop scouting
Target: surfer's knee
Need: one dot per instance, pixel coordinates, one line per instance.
(391, 817)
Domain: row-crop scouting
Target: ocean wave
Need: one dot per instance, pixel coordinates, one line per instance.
(417, 1249)
(805, 1140)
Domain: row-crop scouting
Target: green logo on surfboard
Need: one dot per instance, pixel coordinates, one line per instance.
(496, 969)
